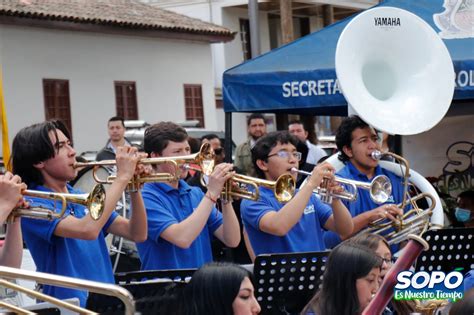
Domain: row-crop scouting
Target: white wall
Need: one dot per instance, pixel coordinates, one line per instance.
(234, 56)
(92, 62)
(228, 55)
(225, 55)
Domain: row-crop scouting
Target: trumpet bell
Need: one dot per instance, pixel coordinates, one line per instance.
(248, 187)
(394, 71)
(285, 188)
(96, 201)
(206, 159)
(380, 189)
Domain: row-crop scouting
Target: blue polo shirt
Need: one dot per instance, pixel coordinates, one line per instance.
(165, 206)
(305, 236)
(364, 202)
(84, 259)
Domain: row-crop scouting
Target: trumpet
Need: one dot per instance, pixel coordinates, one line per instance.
(283, 188)
(380, 188)
(204, 158)
(94, 201)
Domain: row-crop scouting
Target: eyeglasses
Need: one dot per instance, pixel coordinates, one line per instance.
(388, 261)
(218, 151)
(287, 155)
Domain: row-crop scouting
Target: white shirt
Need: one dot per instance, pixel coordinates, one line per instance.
(315, 153)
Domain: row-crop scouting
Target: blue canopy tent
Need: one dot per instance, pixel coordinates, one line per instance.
(299, 78)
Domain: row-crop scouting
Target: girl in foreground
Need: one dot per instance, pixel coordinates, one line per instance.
(221, 289)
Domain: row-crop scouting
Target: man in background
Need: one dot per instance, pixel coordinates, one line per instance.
(215, 142)
(256, 128)
(315, 153)
(116, 130)
(464, 211)
(216, 145)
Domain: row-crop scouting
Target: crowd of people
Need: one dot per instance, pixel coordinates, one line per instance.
(174, 222)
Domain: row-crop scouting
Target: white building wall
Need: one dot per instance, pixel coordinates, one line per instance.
(92, 62)
(234, 56)
(225, 55)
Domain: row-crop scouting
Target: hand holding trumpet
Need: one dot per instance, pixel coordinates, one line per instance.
(11, 195)
(320, 173)
(127, 159)
(220, 175)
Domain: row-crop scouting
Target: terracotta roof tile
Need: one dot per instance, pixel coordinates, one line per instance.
(122, 13)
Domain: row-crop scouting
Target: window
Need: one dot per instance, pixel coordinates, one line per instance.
(193, 103)
(56, 101)
(126, 100)
(245, 38)
(218, 96)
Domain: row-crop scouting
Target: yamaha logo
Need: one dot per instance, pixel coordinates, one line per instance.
(387, 21)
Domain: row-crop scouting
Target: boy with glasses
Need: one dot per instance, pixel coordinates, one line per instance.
(296, 226)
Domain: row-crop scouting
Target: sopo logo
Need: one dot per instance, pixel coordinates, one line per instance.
(426, 286)
(421, 280)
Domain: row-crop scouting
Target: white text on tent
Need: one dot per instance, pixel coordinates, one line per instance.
(311, 88)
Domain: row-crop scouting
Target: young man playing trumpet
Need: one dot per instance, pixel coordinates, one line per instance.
(296, 226)
(356, 141)
(182, 219)
(10, 197)
(74, 245)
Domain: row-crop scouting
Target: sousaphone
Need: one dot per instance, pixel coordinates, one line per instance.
(397, 75)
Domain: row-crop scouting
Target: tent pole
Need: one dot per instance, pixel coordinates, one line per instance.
(254, 28)
(228, 137)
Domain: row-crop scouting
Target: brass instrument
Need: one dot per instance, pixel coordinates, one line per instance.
(380, 188)
(283, 188)
(204, 158)
(430, 307)
(415, 221)
(62, 281)
(377, 83)
(94, 201)
(377, 155)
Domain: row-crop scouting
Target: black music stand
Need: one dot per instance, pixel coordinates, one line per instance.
(154, 291)
(150, 298)
(286, 282)
(450, 249)
(137, 276)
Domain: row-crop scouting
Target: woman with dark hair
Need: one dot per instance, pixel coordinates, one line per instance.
(380, 246)
(350, 280)
(220, 288)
